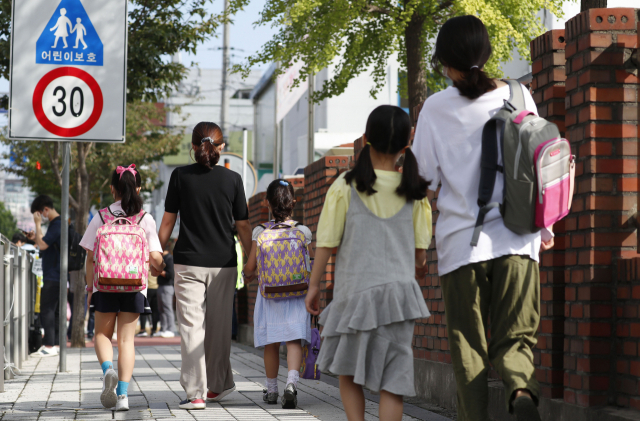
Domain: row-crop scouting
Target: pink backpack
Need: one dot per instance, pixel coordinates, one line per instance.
(121, 254)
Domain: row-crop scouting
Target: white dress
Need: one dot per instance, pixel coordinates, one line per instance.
(276, 321)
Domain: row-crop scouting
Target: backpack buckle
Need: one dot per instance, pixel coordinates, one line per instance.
(509, 105)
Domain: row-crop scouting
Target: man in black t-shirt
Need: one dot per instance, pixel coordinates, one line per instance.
(49, 245)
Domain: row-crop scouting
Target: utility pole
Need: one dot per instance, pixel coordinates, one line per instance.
(312, 129)
(224, 103)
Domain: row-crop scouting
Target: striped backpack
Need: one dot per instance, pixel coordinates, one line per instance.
(121, 254)
(284, 266)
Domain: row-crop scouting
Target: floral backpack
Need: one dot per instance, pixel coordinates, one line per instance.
(284, 266)
(121, 254)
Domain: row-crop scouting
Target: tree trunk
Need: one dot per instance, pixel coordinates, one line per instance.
(82, 213)
(592, 4)
(416, 66)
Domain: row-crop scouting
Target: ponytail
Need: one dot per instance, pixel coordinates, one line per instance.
(126, 184)
(475, 84)
(207, 138)
(412, 186)
(363, 172)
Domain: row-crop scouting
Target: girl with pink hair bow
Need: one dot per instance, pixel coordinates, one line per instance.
(125, 307)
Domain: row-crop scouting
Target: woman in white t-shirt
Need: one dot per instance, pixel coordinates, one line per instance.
(126, 307)
(499, 278)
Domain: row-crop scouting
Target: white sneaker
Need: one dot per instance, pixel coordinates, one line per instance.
(46, 352)
(167, 334)
(157, 334)
(142, 334)
(123, 403)
(108, 398)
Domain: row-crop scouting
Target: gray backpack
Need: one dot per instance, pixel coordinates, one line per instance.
(537, 165)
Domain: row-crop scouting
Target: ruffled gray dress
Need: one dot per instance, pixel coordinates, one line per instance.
(368, 327)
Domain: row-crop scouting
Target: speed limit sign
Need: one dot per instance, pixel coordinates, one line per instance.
(68, 70)
(68, 102)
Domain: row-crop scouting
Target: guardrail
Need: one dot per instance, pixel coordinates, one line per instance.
(17, 305)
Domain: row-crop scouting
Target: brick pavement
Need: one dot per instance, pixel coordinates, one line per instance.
(42, 393)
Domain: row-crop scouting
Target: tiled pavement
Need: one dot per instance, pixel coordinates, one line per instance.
(42, 393)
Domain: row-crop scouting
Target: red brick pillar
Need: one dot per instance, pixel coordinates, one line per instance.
(246, 298)
(547, 53)
(599, 97)
(318, 178)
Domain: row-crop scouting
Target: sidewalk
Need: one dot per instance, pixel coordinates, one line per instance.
(41, 393)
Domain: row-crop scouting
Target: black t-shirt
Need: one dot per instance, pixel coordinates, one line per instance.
(209, 200)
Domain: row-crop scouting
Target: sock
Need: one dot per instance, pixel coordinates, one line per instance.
(122, 388)
(293, 377)
(106, 365)
(272, 385)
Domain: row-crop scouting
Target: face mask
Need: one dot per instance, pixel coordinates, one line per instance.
(45, 219)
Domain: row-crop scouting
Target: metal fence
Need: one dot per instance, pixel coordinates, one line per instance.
(17, 305)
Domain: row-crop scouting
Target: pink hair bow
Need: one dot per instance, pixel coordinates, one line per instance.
(130, 168)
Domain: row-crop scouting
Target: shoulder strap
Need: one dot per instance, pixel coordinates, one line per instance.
(516, 97)
(100, 212)
(141, 215)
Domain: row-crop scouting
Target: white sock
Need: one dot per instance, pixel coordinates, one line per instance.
(293, 377)
(272, 385)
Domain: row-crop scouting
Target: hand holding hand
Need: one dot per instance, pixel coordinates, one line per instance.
(312, 301)
(421, 272)
(155, 272)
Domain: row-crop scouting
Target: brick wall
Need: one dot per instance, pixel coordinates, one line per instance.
(318, 178)
(547, 53)
(599, 99)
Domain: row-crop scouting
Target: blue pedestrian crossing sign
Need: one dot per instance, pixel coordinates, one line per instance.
(69, 38)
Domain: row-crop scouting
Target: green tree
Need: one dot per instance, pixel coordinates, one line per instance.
(8, 226)
(157, 29)
(360, 36)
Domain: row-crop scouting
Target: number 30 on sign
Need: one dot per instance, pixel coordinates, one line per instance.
(67, 102)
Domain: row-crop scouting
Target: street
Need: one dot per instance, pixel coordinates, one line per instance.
(41, 393)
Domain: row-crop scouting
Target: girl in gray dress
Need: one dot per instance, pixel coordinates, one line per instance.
(375, 210)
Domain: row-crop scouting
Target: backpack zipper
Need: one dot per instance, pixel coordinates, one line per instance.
(538, 166)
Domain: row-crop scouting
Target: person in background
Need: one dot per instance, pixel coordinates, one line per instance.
(239, 284)
(209, 197)
(154, 317)
(20, 240)
(165, 297)
(284, 320)
(49, 245)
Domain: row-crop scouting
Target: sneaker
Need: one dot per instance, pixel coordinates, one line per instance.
(167, 334)
(270, 398)
(525, 409)
(123, 403)
(290, 397)
(217, 397)
(193, 404)
(46, 352)
(157, 334)
(142, 334)
(108, 398)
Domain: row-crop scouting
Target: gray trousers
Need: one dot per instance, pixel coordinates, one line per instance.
(165, 308)
(204, 302)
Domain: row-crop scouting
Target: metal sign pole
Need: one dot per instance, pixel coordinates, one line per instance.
(64, 255)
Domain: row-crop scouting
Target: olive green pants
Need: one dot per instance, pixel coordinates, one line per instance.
(505, 290)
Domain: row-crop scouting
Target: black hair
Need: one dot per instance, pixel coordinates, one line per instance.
(126, 184)
(388, 131)
(18, 236)
(463, 44)
(41, 202)
(281, 197)
(207, 137)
